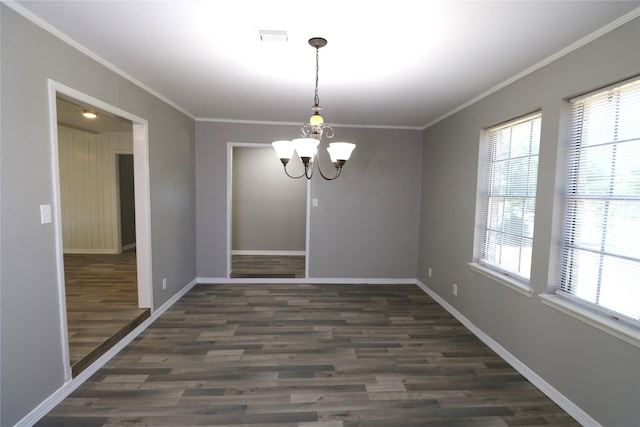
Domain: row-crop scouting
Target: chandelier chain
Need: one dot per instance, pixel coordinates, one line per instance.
(316, 98)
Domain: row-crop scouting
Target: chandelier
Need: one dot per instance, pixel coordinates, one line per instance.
(307, 146)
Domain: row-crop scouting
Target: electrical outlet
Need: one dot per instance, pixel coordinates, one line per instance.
(455, 289)
(164, 283)
(429, 271)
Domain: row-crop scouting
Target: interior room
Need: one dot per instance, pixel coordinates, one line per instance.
(474, 262)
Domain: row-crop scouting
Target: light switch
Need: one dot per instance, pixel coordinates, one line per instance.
(45, 214)
(314, 202)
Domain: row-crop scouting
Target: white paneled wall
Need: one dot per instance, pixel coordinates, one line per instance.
(88, 190)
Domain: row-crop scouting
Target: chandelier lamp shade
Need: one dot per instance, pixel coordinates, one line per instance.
(306, 147)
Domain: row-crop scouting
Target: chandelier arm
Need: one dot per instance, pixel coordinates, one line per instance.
(338, 171)
(308, 171)
(329, 131)
(306, 130)
(291, 176)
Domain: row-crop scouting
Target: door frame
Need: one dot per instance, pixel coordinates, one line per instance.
(142, 204)
(230, 146)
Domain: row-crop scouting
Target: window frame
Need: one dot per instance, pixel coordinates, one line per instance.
(600, 316)
(510, 279)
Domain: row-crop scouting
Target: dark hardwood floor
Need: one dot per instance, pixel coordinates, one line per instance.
(267, 266)
(307, 356)
(102, 304)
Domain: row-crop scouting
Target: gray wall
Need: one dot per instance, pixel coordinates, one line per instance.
(366, 221)
(31, 358)
(599, 373)
(269, 209)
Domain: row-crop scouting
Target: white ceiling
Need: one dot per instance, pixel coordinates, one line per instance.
(402, 63)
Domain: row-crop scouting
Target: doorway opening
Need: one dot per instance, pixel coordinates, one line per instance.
(101, 205)
(126, 201)
(267, 216)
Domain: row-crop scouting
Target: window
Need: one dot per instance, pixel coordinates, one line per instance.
(509, 197)
(600, 262)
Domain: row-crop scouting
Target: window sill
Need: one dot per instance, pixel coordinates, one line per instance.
(502, 279)
(606, 324)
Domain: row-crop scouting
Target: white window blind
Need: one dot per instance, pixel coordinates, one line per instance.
(510, 196)
(601, 237)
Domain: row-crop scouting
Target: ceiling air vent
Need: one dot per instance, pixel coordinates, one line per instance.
(273, 36)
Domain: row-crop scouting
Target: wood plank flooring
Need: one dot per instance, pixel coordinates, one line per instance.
(263, 266)
(307, 356)
(102, 304)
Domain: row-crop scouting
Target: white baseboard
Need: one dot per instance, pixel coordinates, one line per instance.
(314, 281)
(74, 251)
(551, 392)
(68, 387)
(268, 253)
